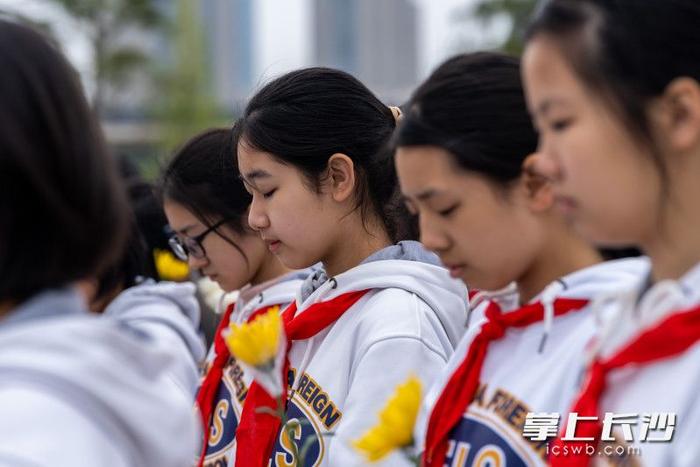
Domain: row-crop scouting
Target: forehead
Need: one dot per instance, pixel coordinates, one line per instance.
(547, 74)
(255, 163)
(179, 217)
(421, 166)
(258, 167)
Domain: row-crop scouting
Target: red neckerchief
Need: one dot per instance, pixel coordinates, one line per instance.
(461, 388)
(210, 386)
(255, 437)
(671, 337)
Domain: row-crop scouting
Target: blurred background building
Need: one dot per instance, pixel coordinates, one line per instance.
(376, 41)
(229, 29)
(158, 71)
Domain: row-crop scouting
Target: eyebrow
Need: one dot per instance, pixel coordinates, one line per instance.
(185, 229)
(424, 195)
(547, 104)
(254, 175)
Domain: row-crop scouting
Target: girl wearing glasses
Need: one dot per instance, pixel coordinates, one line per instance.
(312, 153)
(206, 206)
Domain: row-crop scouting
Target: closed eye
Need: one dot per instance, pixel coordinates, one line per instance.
(560, 125)
(269, 193)
(447, 212)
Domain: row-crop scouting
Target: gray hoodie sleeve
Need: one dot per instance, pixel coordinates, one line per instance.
(167, 315)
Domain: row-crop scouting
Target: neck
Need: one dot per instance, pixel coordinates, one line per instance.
(356, 244)
(563, 253)
(671, 260)
(672, 241)
(270, 268)
(674, 248)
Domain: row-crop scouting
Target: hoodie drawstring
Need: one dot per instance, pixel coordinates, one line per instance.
(549, 295)
(330, 284)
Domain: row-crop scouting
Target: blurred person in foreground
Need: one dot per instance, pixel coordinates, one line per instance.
(78, 389)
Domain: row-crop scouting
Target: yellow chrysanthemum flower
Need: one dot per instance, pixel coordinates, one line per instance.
(396, 421)
(256, 343)
(170, 268)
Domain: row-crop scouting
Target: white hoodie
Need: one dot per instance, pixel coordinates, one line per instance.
(666, 386)
(517, 379)
(235, 382)
(78, 389)
(408, 324)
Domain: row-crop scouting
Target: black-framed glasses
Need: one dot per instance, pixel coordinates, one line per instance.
(192, 246)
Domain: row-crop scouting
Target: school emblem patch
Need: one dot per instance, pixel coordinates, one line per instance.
(226, 416)
(474, 443)
(305, 431)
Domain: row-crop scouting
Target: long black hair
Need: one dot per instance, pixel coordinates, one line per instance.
(63, 208)
(203, 177)
(147, 234)
(626, 51)
(473, 106)
(306, 116)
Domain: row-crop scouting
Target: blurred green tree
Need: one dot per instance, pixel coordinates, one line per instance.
(185, 104)
(105, 20)
(518, 12)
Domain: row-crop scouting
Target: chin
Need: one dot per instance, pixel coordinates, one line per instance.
(289, 261)
(295, 262)
(601, 237)
(224, 284)
(486, 284)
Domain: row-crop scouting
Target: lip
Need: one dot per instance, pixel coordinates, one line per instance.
(273, 245)
(566, 204)
(456, 270)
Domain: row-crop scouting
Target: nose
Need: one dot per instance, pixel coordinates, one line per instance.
(545, 162)
(197, 263)
(431, 236)
(257, 217)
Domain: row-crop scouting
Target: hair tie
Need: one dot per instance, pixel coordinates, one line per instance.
(396, 112)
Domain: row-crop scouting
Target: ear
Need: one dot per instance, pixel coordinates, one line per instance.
(675, 116)
(341, 177)
(538, 188)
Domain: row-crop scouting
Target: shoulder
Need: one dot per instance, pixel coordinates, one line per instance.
(397, 318)
(393, 311)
